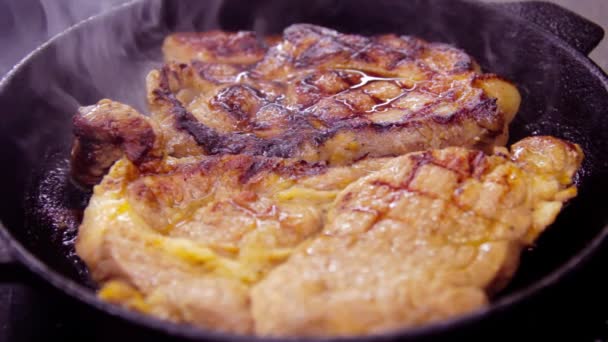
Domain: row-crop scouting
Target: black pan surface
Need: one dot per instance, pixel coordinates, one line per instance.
(564, 95)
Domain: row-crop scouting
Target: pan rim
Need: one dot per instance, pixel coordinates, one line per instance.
(85, 295)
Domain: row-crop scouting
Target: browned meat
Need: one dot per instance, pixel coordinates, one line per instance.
(270, 246)
(318, 95)
(186, 244)
(217, 46)
(426, 238)
(103, 133)
(315, 95)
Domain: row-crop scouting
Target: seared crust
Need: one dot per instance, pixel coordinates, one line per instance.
(281, 247)
(319, 95)
(105, 132)
(315, 95)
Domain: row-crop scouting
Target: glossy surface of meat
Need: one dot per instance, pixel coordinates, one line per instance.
(313, 94)
(319, 95)
(282, 247)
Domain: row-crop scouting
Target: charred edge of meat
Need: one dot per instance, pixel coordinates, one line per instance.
(99, 143)
(248, 167)
(234, 143)
(300, 130)
(235, 108)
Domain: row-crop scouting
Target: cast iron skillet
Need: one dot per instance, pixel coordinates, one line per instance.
(541, 47)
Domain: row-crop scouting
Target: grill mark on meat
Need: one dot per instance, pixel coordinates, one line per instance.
(304, 121)
(230, 100)
(234, 143)
(300, 130)
(422, 231)
(474, 166)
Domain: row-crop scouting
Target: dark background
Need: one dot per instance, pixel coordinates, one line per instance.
(30, 311)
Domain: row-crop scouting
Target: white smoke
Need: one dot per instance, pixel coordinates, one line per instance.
(25, 24)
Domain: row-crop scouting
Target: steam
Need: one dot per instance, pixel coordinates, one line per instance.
(25, 24)
(88, 64)
(61, 14)
(106, 61)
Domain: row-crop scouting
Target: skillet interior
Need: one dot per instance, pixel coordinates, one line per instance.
(109, 56)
